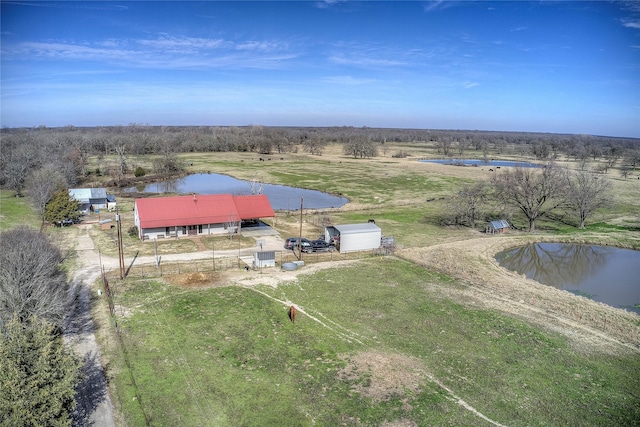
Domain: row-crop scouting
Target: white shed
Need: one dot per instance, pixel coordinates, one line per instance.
(264, 259)
(354, 237)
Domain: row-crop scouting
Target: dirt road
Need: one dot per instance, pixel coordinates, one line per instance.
(94, 406)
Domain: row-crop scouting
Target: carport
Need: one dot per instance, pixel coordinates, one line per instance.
(354, 237)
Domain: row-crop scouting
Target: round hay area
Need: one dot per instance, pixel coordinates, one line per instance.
(198, 280)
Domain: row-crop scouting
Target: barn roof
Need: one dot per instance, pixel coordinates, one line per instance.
(198, 209)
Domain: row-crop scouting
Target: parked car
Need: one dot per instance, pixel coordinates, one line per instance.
(319, 246)
(66, 222)
(293, 243)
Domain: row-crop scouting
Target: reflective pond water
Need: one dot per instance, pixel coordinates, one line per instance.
(281, 197)
(602, 273)
(478, 162)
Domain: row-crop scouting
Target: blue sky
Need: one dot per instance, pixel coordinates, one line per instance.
(544, 66)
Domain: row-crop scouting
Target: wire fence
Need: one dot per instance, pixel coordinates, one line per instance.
(232, 263)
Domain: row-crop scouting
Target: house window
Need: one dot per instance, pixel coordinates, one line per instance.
(166, 231)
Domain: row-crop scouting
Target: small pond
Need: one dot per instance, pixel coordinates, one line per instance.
(603, 273)
(478, 162)
(281, 197)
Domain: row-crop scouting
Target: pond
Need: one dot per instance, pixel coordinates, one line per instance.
(603, 273)
(281, 197)
(478, 162)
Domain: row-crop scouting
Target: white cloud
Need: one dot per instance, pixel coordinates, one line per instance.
(163, 52)
(363, 61)
(630, 24)
(347, 80)
(437, 5)
(469, 85)
(186, 44)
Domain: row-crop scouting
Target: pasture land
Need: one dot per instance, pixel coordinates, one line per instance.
(436, 335)
(15, 211)
(375, 342)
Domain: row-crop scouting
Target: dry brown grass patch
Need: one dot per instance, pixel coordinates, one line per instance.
(381, 376)
(196, 280)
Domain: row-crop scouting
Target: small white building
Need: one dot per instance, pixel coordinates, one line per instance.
(264, 259)
(354, 237)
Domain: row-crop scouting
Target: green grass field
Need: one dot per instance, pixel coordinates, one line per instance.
(230, 356)
(15, 211)
(380, 344)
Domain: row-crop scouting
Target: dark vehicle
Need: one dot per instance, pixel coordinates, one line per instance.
(319, 246)
(65, 222)
(293, 243)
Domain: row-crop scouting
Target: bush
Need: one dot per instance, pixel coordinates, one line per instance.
(133, 231)
(140, 172)
(400, 154)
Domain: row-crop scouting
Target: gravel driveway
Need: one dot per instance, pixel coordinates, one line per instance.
(94, 406)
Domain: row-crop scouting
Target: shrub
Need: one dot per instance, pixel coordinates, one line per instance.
(140, 172)
(400, 154)
(132, 231)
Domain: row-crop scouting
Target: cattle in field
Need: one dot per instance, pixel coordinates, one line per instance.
(292, 314)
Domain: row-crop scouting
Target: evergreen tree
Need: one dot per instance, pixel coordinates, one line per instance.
(38, 375)
(62, 206)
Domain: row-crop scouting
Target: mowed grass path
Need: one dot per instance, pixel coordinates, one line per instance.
(229, 356)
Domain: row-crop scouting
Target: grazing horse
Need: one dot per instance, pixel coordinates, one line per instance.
(292, 314)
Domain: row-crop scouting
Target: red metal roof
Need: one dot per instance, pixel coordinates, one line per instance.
(198, 209)
(250, 207)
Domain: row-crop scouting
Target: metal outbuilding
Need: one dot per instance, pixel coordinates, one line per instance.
(89, 199)
(264, 259)
(497, 226)
(354, 237)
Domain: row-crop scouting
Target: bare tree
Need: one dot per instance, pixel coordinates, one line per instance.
(314, 145)
(31, 281)
(17, 167)
(120, 150)
(42, 184)
(465, 207)
(535, 192)
(255, 185)
(587, 193)
(360, 148)
(232, 226)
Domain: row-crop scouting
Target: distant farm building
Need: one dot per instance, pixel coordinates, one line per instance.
(198, 214)
(92, 199)
(497, 227)
(354, 237)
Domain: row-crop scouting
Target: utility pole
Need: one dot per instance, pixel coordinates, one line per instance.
(300, 239)
(120, 254)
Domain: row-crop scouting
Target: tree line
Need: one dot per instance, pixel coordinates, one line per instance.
(65, 151)
(535, 193)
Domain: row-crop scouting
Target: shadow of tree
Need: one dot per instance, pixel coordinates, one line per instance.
(90, 391)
